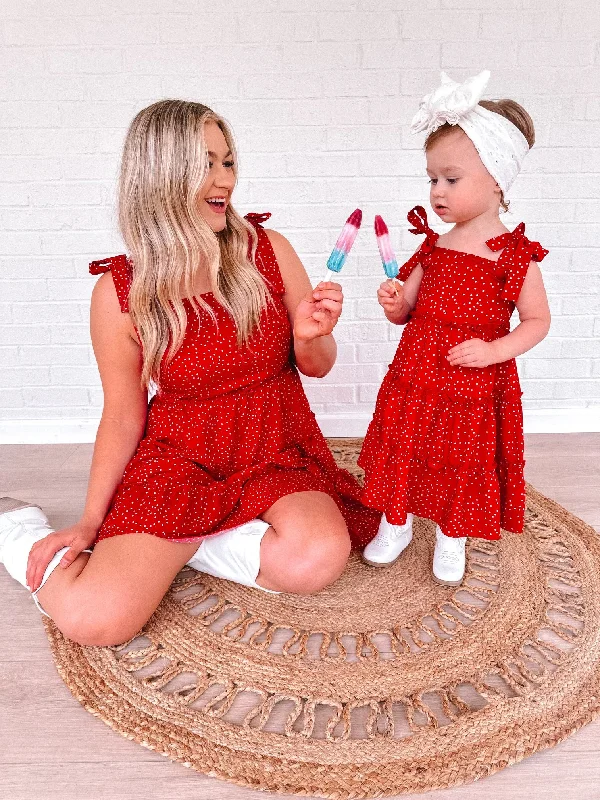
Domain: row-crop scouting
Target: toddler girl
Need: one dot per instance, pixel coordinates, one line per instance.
(446, 439)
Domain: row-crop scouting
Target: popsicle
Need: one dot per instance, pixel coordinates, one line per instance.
(390, 265)
(338, 256)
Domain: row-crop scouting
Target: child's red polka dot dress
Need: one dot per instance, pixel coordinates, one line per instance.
(230, 430)
(446, 442)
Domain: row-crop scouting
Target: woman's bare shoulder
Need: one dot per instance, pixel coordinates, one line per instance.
(106, 309)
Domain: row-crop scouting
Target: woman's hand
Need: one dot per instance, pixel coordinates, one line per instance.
(318, 312)
(78, 538)
(390, 297)
(473, 353)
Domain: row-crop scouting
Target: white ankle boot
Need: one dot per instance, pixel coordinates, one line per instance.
(389, 543)
(21, 526)
(449, 558)
(233, 554)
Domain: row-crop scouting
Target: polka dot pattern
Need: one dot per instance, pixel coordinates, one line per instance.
(230, 430)
(446, 442)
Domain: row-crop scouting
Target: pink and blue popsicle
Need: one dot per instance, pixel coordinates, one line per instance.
(390, 265)
(338, 256)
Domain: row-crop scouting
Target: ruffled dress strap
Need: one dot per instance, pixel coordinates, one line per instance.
(121, 268)
(265, 259)
(417, 217)
(517, 253)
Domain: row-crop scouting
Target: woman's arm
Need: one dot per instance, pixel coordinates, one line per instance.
(119, 358)
(313, 314)
(122, 425)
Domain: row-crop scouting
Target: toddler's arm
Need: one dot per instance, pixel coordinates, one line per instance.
(398, 300)
(534, 316)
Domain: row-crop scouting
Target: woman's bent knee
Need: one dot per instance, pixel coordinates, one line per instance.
(98, 627)
(316, 566)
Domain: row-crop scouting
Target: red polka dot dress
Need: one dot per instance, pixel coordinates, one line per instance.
(229, 431)
(446, 442)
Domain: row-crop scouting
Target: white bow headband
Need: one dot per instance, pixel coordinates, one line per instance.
(500, 144)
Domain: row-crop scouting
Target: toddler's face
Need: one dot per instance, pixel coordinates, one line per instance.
(461, 187)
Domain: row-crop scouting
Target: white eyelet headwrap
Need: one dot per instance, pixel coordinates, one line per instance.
(500, 144)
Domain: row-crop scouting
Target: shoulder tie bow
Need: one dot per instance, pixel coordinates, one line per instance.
(106, 264)
(257, 219)
(517, 253)
(418, 217)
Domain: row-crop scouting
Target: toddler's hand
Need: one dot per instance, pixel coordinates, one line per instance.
(472, 353)
(390, 297)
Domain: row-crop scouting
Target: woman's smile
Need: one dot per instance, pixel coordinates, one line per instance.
(217, 204)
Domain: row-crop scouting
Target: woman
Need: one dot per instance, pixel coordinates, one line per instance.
(226, 469)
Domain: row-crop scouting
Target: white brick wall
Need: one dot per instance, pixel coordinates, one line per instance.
(320, 95)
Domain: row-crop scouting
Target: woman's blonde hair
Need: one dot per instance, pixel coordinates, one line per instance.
(164, 165)
(511, 110)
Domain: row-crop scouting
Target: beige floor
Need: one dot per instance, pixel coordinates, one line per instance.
(51, 748)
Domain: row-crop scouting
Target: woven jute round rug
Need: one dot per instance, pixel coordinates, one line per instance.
(386, 683)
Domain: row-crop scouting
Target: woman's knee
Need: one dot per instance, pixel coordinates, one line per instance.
(98, 624)
(318, 563)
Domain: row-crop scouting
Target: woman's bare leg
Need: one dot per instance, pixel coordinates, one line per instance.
(105, 598)
(307, 545)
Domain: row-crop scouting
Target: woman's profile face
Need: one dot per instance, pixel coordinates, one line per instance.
(216, 190)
